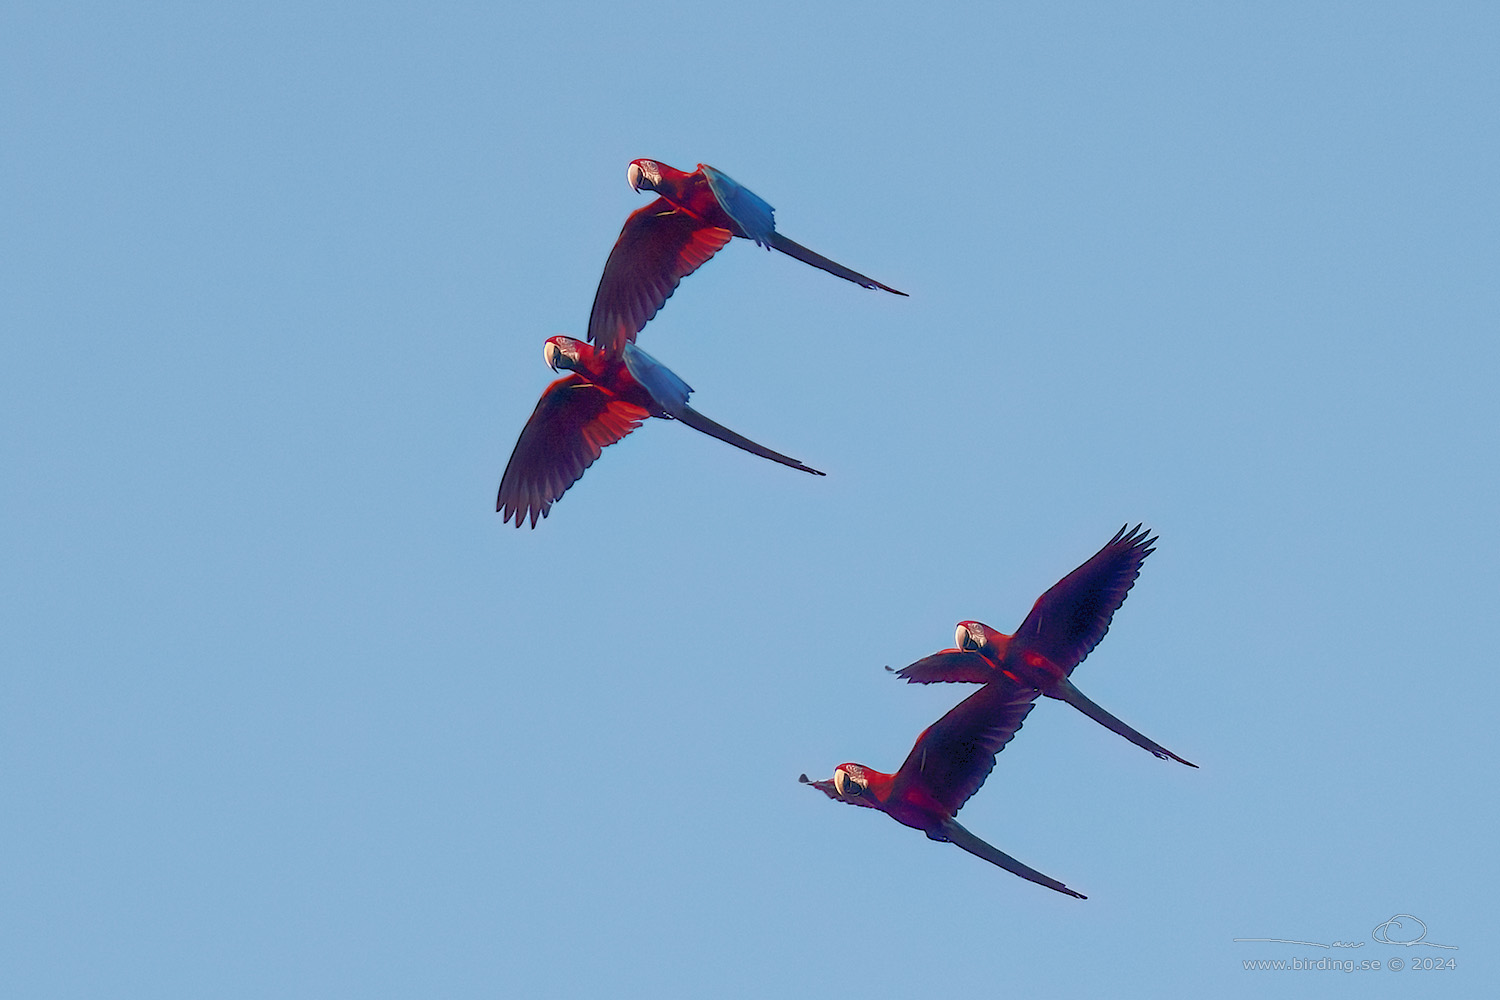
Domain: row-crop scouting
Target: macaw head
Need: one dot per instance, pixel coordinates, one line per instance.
(564, 352)
(850, 782)
(643, 175)
(976, 637)
(854, 784)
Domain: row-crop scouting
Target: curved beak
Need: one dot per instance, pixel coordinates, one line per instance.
(550, 354)
(966, 640)
(636, 176)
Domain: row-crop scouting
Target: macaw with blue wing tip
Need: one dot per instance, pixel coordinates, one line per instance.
(947, 765)
(693, 218)
(1064, 626)
(598, 403)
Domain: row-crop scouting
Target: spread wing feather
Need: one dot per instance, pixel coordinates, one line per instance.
(658, 247)
(1067, 622)
(946, 665)
(956, 753)
(572, 423)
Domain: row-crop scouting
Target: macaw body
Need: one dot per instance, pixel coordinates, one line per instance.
(950, 761)
(693, 218)
(603, 399)
(1064, 626)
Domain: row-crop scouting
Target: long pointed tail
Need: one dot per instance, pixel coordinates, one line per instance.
(699, 422)
(956, 834)
(1070, 694)
(795, 249)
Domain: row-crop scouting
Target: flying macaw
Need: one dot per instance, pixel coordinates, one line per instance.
(601, 401)
(1064, 626)
(950, 761)
(694, 217)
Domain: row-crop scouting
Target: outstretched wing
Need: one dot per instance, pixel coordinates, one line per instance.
(573, 421)
(748, 209)
(825, 786)
(956, 665)
(957, 752)
(1067, 622)
(657, 248)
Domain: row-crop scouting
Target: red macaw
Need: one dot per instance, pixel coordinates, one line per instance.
(603, 400)
(1064, 626)
(694, 217)
(947, 765)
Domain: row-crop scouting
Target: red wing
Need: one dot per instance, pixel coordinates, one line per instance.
(1067, 622)
(659, 246)
(949, 665)
(956, 753)
(573, 421)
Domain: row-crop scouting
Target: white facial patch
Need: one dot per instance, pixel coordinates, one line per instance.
(850, 781)
(969, 637)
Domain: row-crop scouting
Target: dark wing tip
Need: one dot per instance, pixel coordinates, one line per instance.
(513, 510)
(1136, 537)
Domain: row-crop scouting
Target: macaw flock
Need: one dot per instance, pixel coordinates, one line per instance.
(612, 386)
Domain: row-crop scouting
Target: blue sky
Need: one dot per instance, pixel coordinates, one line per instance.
(288, 711)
